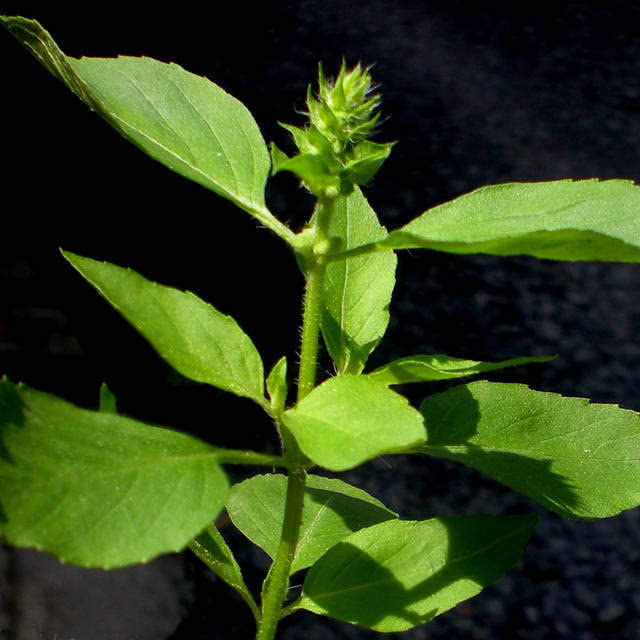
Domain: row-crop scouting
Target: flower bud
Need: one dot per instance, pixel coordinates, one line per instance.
(334, 151)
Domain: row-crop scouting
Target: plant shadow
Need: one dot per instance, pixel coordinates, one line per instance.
(452, 424)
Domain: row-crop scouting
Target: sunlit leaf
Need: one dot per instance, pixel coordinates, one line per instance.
(560, 220)
(349, 419)
(97, 489)
(193, 337)
(183, 120)
(357, 292)
(429, 368)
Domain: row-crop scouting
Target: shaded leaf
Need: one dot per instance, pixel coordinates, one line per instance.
(193, 337)
(97, 489)
(399, 574)
(212, 549)
(357, 292)
(108, 401)
(559, 220)
(349, 419)
(332, 510)
(578, 459)
(428, 368)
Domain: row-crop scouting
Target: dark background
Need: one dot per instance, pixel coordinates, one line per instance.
(475, 93)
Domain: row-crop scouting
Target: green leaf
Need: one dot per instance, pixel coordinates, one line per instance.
(350, 419)
(108, 401)
(97, 489)
(332, 510)
(399, 574)
(578, 459)
(366, 159)
(277, 384)
(309, 167)
(212, 549)
(198, 341)
(429, 368)
(560, 220)
(357, 292)
(183, 120)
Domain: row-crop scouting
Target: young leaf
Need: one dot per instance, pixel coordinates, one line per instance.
(212, 549)
(357, 292)
(277, 384)
(399, 574)
(560, 220)
(97, 489)
(350, 419)
(184, 121)
(440, 367)
(198, 341)
(332, 510)
(108, 402)
(578, 459)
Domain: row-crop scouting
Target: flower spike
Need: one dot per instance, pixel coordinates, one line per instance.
(334, 151)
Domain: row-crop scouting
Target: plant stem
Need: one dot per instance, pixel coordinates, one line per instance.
(276, 585)
(310, 330)
(313, 300)
(277, 582)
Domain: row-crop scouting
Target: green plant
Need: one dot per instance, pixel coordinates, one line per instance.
(100, 489)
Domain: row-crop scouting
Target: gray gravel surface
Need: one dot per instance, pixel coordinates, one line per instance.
(476, 94)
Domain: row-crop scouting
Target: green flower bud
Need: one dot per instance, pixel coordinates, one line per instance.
(334, 152)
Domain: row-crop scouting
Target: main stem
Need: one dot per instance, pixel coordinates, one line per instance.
(276, 585)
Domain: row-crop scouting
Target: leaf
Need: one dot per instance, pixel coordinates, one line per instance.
(108, 401)
(578, 459)
(277, 384)
(97, 489)
(198, 341)
(399, 574)
(183, 120)
(428, 368)
(357, 292)
(332, 510)
(309, 167)
(560, 220)
(212, 549)
(350, 419)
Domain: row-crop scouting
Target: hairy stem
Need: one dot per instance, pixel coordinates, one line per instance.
(313, 300)
(276, 585)
(277, 582)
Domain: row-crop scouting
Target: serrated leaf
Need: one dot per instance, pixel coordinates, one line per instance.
(332, 510)
(399, 574)
(357, 292)
(193, 337)
(212, 549)
(350, 419)
(183, 120)
(97, 489)
(428, 368)
(559, 220)
(578, 459)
